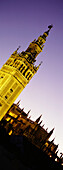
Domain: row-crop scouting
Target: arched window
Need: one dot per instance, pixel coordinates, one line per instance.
(16, 64)
(20, 66)
(22, 69)
(9, 61)
(27, 75)
(25, 71)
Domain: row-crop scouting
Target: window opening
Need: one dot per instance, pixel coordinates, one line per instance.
(28, 74)
(22, 69)
(21, 66)
(25, 71)
(2, 77)
(5, 97)
(0, 104)
(11, 90)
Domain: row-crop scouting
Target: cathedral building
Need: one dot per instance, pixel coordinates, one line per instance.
(16, 127)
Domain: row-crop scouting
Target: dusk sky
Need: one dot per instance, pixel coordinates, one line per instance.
(22, 21)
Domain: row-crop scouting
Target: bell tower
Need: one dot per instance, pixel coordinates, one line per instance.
(16, 73)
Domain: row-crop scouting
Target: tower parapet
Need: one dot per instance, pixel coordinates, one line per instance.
(17, 72)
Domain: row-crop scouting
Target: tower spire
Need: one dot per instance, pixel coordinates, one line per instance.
(42, 38)
(36, 46)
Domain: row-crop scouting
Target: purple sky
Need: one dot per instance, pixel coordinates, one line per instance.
(21, 21)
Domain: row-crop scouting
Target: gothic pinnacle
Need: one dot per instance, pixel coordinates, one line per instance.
(37, 120)
(28, 112)
(50, 133)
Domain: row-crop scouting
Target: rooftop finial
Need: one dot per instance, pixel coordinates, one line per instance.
(50, 26)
